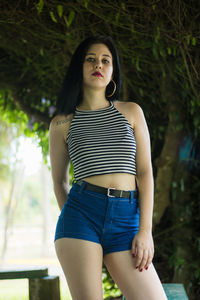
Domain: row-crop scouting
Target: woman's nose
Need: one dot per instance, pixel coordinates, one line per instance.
(98, 65)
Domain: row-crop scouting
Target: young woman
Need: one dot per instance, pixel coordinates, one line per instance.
(105, 216)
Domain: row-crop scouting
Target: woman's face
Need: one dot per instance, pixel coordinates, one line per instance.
(97, 67)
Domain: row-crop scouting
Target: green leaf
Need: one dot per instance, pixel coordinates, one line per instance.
(194, 41)
(174, 50)
(40, 6)
(86, 3)
(188, 39)
(53, 17)
(71, 17)
(155, 53)
(60, 10)
(141, 91)
(137, 65)
(169, 51)
(162, 52)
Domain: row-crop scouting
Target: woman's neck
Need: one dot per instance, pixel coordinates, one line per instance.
(94, 100)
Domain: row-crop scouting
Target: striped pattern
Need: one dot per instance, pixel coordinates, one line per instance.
(101, 142)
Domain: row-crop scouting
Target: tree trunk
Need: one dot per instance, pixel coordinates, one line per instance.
(168, 157)
(183, 235)
(125, 91)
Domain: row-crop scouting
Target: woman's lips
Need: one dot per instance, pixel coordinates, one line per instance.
(97, 74)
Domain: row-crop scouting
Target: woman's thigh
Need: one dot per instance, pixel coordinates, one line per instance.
(134, 284)
(81, 261)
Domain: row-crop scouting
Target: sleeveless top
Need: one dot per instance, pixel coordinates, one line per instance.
(101, 141)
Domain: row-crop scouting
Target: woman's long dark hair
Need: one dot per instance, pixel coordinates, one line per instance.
(70, 95)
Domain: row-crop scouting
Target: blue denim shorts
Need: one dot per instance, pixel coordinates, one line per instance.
(89, 215)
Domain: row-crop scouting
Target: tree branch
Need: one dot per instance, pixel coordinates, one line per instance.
(31, 112)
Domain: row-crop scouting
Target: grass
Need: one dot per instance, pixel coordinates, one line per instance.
(17, 289)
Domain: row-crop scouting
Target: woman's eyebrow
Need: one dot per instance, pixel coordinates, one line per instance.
(95, 54)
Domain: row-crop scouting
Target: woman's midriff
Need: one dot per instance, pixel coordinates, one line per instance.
(119, 181)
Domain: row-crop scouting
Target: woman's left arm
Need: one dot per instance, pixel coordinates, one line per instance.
(142, 245)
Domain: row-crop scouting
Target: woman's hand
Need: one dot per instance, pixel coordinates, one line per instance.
(143, 249)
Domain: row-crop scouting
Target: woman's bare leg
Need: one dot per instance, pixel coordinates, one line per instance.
(134, 285)
(81, 262)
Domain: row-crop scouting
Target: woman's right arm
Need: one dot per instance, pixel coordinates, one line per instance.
(59, 156)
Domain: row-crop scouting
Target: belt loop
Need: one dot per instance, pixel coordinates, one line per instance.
(82, 186)
(131, 198)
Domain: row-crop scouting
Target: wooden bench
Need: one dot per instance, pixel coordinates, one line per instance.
(41, 285)
(174, 291)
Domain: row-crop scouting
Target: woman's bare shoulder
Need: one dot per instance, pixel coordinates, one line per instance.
(130, 103)
(131, 107)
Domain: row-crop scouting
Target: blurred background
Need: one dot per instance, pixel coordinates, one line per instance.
(159, 46)
(28, 212)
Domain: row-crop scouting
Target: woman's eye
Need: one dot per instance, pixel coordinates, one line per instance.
(90, 59)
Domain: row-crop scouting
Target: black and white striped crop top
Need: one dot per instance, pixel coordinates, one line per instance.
(101, 141)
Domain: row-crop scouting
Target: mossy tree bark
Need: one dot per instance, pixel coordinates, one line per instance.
(166, 162)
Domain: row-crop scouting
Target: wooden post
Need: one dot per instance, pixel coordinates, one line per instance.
(44, 288)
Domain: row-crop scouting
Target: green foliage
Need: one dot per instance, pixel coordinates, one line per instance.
(10, 114)
(44, 143)
(110, 288)
(17, 118)
(40, 6)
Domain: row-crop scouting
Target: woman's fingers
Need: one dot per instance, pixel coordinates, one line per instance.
(143, 259)
(139, 257)
(143, 247)
(150, 258)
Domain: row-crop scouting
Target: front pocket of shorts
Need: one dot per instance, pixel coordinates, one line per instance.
(127, 215)
(126, 210)
(126, 220)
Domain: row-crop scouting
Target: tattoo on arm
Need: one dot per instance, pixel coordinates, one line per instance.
(63, 121)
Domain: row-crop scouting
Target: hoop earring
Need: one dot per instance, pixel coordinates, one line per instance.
(113, 90)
